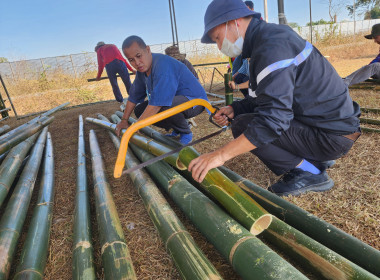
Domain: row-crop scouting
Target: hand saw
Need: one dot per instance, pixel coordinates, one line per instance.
(120, 161)
(155, 159)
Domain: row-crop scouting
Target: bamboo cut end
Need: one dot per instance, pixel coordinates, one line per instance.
(180, 165)
(261, 224)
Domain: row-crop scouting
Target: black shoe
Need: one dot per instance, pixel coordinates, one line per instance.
(322, 165)
(297, 181)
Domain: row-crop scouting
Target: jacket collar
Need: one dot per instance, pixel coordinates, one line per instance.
(249, 37)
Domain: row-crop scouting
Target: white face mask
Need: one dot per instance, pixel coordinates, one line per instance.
(232, 49)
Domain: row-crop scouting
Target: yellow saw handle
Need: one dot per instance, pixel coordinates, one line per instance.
(120, 161)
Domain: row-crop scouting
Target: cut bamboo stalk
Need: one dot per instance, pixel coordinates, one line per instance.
(83, 260)
(115, 254)
(35, 250)
(4, 129)
(11, 165)
(14, 215)
(16, 138)
(189, 260)
(337, 240)
(370, 110)
(249, 257)
(240, 205)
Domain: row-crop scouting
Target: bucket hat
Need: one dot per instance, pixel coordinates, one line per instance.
(374, 32)
(98, 45)
(221, 11)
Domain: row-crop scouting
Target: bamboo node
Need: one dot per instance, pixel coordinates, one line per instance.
(236, 245)
(30, 270)
(174, 234)
(106, 245)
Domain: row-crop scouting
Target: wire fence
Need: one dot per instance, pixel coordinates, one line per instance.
(83, 63)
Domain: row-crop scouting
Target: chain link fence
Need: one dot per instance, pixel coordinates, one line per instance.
(82, 63)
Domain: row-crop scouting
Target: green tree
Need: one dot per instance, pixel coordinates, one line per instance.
(369, 8)
(293, 24)
(3, 59)
(319, 22)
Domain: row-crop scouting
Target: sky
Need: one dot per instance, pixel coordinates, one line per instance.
(45, 28)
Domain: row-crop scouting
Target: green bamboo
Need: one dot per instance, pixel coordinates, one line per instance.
(35, 250)
(12, 164)
(367, 129)
(370, 121)
(16, 138)
(189, 260)
(115, 254)
(83, 261)
(115, 118)
(240, 205)
(14, 215)
(364, 86)
(370, 110)
(249, 257)
(227, 89)
(337, 240)
(4, 129)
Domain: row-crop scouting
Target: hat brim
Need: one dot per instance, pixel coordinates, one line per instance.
(368, 36)
(229, 15)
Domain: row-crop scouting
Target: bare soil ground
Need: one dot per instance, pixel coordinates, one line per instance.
(353, 205)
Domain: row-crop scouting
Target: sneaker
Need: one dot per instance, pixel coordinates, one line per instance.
(173, 134)
(297, 182)
(185, 138)
(323, 165)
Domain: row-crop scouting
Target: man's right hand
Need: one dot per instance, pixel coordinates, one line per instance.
(121, 125)
(221, 117)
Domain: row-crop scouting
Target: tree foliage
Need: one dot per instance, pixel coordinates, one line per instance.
(3, 59)
(319, 22)
(369, 8)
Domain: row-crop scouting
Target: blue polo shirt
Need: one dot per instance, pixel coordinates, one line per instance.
(168, 78)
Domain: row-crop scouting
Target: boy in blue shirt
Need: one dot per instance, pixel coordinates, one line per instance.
(165, 83)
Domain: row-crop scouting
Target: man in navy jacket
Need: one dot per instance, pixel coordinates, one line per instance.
(303, 116)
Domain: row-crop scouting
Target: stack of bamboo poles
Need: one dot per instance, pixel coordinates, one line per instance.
(22, 151)
(253, 215)
(370, 121)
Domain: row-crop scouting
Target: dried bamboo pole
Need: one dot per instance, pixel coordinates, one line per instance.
(35, 250)
(16, 138)
(189, 260)
(34, 120)
(337, 240)
(83, 266)
(249, 257)
(14, 216)
(115, 255)
(11, 165)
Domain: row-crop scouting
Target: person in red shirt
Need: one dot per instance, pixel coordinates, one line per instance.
(110, 57)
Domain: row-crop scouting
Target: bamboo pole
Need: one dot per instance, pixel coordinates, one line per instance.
(367, 129)
(12, 164)
(249, 257)
(35, 249)
(115, 255)
(240, 205)
(370, 110)
(16, 138)
(189, 260)
(14, 215)
(370, 121)
(323, 232)
(4, 129)
(36, 119)
(83, 261)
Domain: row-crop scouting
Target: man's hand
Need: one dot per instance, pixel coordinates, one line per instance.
(121, 125)
(221, 117)
(202, 164)
(232, 85)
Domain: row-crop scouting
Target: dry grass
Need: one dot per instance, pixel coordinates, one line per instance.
(353, 205)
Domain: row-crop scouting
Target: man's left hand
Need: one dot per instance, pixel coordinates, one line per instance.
(202, 164)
